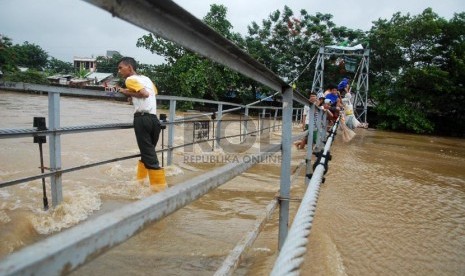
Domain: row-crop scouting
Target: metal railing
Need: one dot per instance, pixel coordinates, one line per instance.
(54, 132)
(293, 251)
(38, 264)
(72, 248)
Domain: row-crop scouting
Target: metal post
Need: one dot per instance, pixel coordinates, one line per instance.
(317, 84)
(308, 158)
(40, 124)
(275, 117)
(218, 124)
(246, 121)
(240, 128)
(163, 127)
(44, 198)
(263, 119)
(213, 131)
(55, 147)
(169, 158)
(258, 127)
(361, 94)
(285, 181)
(162, 147)
(325, 127)
(366, 56)
(269, 122)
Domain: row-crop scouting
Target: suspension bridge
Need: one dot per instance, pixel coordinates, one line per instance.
(74, 247)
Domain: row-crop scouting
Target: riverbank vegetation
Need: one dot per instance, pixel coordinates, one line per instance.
(417, 63)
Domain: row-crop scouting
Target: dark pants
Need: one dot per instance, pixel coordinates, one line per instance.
(147, 129)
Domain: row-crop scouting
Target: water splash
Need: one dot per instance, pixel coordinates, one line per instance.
(173, 170)
(76, 206)
(4, 218)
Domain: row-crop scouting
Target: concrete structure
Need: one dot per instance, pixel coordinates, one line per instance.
(111, 53)
(86, 63)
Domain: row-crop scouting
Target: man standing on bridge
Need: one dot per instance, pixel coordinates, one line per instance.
(146, 124)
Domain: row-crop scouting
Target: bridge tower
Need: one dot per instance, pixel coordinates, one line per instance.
(361, 89)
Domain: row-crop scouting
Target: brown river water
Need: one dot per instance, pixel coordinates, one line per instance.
(392, 204)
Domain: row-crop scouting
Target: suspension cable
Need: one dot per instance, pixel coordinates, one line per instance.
(355, 76)
(308, 64)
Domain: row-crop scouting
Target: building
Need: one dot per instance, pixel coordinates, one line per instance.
(88, 64)
(111, 53)
(60, 79)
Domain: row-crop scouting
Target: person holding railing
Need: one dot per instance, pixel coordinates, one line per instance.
(147, 127)
(332, 97)
(343, 86)
(306, 118)
(320, 105)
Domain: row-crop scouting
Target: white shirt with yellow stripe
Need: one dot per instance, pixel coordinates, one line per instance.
(136, 83)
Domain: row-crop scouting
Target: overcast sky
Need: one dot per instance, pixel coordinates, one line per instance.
(68, 28)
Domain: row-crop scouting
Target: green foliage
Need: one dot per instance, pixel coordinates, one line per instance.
(56, 66)
(26, 55)
(6, 60)
(417, 67)
(108, 64)
(29, 76)
(417, 63)
(283, 42)
(186, 73)
(82, 73)
(286, 43)
(30, 56)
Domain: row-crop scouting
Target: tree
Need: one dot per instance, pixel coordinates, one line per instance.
(7, 60)
(56, 66)
(286, 43)
(30, 56)
(29, 76)
(82, 73)
(108, 64)
(417, 68)
(188, 74)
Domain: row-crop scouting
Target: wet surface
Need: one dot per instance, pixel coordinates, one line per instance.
(392, 204)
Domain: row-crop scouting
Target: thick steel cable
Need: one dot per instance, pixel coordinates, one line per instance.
(231, 262)
(294, 248)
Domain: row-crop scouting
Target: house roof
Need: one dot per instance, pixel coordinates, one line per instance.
(79, 81)
(100, 76)
(57, 77)
(84, 59)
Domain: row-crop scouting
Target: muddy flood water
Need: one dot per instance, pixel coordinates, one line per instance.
(392, 204)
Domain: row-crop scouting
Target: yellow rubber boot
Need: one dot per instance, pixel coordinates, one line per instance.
(142, 172)
(157, 180)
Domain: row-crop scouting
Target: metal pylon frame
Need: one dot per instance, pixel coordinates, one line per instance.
(361, 92)
(317, 85)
